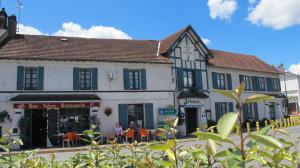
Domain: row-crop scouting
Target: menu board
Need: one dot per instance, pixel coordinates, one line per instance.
(164, 114)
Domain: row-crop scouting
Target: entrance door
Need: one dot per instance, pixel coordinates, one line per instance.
(39, 128)
(191, 120)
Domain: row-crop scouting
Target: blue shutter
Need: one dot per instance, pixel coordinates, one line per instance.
(94, 79)
(245, 112)
(215, 80)
(123, 115)
(279, 86)
(256, 111)
(179, 76)
(199, 79)
(40, 78)
(126, 79)
(241, 78)
(149, 116)
(143, 79)
(269, 84)
(229, 82)
(254, 85)
(230, 105)
(76, 78)
(20, 78)
(217, 111)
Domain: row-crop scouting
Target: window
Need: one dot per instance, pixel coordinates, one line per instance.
(136, 114)
(134, 79)
(31, 78)
(85, 78)
(276, 84)
(262, 84)
(223, 108)
(247, 81)
(74, 119)
(188, 79)
(221, 81)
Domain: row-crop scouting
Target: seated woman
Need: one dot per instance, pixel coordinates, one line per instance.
(119, 133)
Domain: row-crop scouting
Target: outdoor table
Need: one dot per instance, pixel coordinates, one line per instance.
(150, 133)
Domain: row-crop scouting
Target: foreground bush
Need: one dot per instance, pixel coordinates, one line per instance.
(257, 149)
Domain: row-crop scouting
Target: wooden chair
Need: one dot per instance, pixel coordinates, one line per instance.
(130, 135)
(144, 134)
(67, 138)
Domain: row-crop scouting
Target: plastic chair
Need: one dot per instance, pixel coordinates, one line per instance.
(76, 137)
(144, 134)
(158, 135)
(68, 137)
(130, 135)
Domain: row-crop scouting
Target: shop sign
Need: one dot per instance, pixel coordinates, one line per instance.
(55, 105)
(167, 111)
(193, 101)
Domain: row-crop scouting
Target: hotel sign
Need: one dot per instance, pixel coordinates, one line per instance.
(55, 105)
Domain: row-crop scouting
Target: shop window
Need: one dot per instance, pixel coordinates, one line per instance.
(85, 78)
(74, 119)
(31, 78)
(136, 114)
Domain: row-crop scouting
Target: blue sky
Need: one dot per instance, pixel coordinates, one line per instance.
(224, 24)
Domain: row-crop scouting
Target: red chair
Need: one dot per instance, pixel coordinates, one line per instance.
(144, 134)
(130, 135)
(68, 137)
(76, 138)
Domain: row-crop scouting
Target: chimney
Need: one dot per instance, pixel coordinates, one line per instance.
(3, 19)
(280, 68)
(12, 25)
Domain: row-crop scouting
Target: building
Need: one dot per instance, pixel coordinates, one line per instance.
(66, 83)
(290, 84)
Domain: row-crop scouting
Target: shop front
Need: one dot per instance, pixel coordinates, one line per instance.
(43, 122)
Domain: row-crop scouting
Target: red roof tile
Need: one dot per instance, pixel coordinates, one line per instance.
(166, 43)
(35, 47)
(240, 61)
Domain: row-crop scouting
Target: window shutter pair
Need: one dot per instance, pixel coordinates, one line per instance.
(143, 79)
(229, 82)
(198, 77)
(21, 78)
(76, 81)
(214, 80)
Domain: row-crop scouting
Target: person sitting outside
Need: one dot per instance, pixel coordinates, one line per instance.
(119, 133)
(133, 126)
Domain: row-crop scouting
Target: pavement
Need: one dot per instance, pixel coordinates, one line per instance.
(66, 153)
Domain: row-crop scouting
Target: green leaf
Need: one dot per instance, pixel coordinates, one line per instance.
(212, 149)
(284, 132)
(226, 93)
(175, 122)
(213, 136)
(4, 147)
(240, 89)
(170, 143)
(232, 163)
(258, 98)
(158, 147)
(266, 140)
(226, 123)
(170, 154)
(277, 158)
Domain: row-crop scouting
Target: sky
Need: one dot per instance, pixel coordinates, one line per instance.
(269, 29)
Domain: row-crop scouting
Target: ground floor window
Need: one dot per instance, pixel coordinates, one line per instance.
(76, 120)
(136, 114)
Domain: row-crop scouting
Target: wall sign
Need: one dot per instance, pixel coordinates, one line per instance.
(55, 105)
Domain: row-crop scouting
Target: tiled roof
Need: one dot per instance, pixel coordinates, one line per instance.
(167, 42)
(240, 61)
(36, 47)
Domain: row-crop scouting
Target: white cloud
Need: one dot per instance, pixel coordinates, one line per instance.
(29, 30)
(205, 41)
(222, 9)
(75, 30)
(295, 68)
(71, 29)
(277, 14)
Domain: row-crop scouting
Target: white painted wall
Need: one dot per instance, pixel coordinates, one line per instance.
(292, 85)
(215, 97)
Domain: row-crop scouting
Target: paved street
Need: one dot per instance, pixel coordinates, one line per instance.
(294, 131)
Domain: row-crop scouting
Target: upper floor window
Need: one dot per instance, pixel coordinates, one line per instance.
(221, 81)
(85, 78)
(247, 80)
(222, 108)
(188, 79)
(31, 81)
(30, 78)
(262, 84)
(134, 79)
(276, 85)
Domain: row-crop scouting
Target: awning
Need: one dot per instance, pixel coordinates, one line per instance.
(54, 98)
(192, 93)
(277, 95)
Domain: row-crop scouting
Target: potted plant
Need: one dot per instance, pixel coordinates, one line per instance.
(108, 111)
